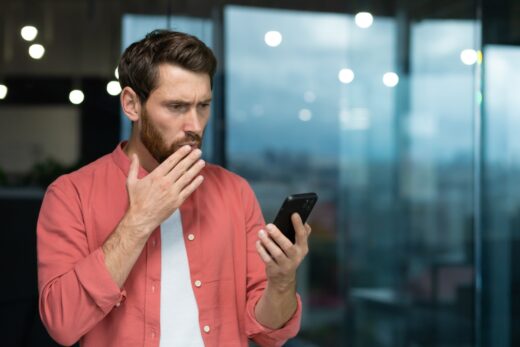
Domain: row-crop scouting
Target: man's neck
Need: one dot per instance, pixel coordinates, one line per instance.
(135, 146)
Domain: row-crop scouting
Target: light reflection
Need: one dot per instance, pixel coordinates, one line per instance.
(309, 96)
(355, 119)
(390, 79)
(305, 115)
(346, 76)
(364, 20)
(273, 38)
(469, 56)
(116, 73)
(479, 57)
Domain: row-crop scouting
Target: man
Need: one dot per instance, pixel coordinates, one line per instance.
(151, 246)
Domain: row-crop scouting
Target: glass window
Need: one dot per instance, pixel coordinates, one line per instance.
(379, 122)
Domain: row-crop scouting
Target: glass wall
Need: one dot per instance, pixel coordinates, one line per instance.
(380, 122)
(500, 217)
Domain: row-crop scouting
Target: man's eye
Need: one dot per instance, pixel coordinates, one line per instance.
(205, 105)
(178, 108)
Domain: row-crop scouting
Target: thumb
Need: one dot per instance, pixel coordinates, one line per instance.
(134, 169)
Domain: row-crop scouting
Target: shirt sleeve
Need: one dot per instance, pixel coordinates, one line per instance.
(76, 290)
(257, 281)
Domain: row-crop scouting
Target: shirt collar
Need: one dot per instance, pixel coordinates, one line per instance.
(123, 162)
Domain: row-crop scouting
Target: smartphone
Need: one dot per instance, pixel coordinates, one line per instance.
(296, 203)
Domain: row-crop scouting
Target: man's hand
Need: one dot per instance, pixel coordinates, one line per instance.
(280, 255)
(155, 197)
(152, 200)
(282, 258)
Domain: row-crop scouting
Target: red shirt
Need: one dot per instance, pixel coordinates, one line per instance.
(80, 301)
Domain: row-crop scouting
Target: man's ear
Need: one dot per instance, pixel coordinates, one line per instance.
(130, 104)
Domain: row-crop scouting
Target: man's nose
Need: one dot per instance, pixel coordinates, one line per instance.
(193, 122)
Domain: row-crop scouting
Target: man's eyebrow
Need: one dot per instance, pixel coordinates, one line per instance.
(184, 102)
(176, 102)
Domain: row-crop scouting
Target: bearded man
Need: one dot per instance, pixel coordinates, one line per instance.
(151, 246)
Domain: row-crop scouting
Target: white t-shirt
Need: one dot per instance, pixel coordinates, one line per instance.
(179, 310)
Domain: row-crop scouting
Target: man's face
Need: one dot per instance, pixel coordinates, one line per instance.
(176, 112)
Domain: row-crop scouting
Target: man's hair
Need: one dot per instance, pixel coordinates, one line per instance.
(138, 67)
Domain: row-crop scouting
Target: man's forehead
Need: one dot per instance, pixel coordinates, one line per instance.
(175, 81)
(176, 73)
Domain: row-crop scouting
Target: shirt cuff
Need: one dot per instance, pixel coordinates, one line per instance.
(97, 281)
(287, 331)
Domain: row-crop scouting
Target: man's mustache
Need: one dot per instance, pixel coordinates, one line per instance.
(189, 138)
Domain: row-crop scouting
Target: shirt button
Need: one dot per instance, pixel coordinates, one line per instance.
(153, 243)
(153, 335)
(153, 288)
(191, 237)
(118, 304)
(198, 283)
(207, 329)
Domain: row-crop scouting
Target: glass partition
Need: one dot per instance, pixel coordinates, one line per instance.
(379, 121)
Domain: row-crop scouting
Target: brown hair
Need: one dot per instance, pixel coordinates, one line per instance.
(139, 62)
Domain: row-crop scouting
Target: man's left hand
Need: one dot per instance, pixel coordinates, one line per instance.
(281, 256)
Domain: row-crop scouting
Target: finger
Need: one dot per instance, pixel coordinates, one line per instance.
(263, 253)
(278, 237)
(189, 175)
(184, 165)
(274, 250)
(134, 169)
(188, 190)
(308, 229)
(166, 166)
(299, 228)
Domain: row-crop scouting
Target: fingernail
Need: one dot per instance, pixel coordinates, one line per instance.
(261, 233)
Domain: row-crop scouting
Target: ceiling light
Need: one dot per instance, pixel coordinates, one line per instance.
(29, 33)
(36, 51)
(76, 96)
(3, 91)
(113, 88)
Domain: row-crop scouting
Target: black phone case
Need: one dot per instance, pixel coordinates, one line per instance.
(299, 203)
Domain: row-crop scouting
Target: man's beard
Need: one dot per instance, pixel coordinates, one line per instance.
(155, 143)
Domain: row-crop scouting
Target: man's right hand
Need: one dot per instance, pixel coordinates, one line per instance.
(152, 200)
(155, 197)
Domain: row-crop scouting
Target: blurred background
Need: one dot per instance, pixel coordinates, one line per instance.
(402, 115)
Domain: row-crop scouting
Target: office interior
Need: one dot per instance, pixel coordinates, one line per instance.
(403, 116)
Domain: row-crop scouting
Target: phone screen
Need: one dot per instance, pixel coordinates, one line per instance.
(296, 203)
